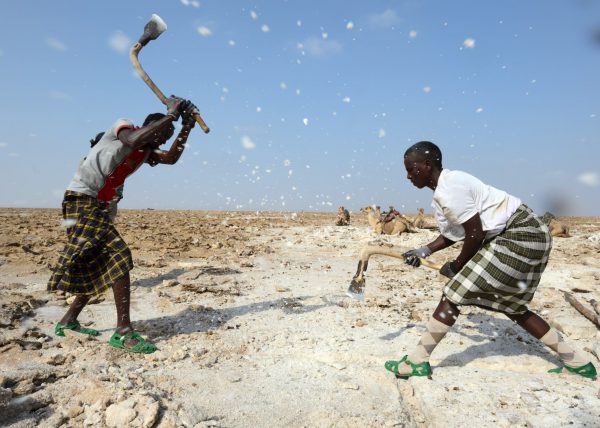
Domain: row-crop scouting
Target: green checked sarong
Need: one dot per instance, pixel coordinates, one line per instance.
(504, 274)
(95, 255)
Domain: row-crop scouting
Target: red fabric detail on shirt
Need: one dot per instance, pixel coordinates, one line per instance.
(121, 172)
(120, 128)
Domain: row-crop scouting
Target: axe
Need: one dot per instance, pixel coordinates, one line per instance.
(356, 290)
(154, 28)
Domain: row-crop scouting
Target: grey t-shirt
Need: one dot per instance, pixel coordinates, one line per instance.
(102, 160)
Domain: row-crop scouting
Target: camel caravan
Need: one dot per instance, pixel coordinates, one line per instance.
(392, 222)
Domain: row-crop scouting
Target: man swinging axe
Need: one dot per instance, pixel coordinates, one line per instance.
(95, 256)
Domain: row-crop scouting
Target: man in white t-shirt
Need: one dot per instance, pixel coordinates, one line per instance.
(96, 257)
(505, 250)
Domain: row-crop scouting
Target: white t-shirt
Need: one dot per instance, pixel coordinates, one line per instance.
(97, 169)
(459, 196)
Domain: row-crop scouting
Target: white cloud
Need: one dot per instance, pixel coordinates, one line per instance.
(3, 145)
(247, 143)
(316, 46)
(469, 43)
(589, 179)
(119, 42)
(56, 44)
(204, 31)
(58, 95)
(193, 3)
(385, 19)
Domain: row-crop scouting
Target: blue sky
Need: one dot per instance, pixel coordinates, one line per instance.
(310, 104)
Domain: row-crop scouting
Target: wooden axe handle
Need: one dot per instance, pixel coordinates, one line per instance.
(397, 253)
(133, 55)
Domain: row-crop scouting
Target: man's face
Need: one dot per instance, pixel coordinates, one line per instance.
(417, 171)
(161, 137)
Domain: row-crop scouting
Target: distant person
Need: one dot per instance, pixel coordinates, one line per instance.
(505, 250)
(95, 257)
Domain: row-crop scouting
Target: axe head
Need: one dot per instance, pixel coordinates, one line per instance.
(357, 288)
(154, 28)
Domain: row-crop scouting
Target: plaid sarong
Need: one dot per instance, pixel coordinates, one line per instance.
(504, 274)
(95, 255)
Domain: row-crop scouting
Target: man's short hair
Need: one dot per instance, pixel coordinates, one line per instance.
(153, 117)
(97, 138)
(425, 150)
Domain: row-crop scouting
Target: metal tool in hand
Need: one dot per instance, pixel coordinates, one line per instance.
(356, 290)
(154, 28)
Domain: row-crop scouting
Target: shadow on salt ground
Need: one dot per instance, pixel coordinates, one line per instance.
(175, 273)
(156, 280)
(201, 318)
(498, 337)
(491, 334)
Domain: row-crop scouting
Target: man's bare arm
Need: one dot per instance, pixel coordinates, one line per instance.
(136, 138)
(474, 236)
(172, 155)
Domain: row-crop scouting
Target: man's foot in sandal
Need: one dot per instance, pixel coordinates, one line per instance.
(588, 370)
(404, 368)
(59, 329)
(132, 342)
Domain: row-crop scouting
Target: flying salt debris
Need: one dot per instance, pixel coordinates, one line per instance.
(479, 110)
(589, 179)
(204, 31)
(258, 109)
(381, 133)
(305, 121)
(283, 85)
(253, 15)
(324, 35)
(68, 222)
(427, 89)
(231, 43)
(299, 23)
(346, 100)
(412, 34)
(119, 42)
(247, 143)
(469, 43)
(287, 162)
(350, 25)
(265, 28)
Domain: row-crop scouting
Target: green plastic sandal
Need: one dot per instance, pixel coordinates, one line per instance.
(421, 369)
(142, 347)
(587, 370)
(59, 329)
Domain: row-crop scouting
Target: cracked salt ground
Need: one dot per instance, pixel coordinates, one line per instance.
(253, 332)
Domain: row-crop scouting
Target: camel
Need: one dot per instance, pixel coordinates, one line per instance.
(343, 218)
(419, 221)
(557, 228)
(390, 223)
